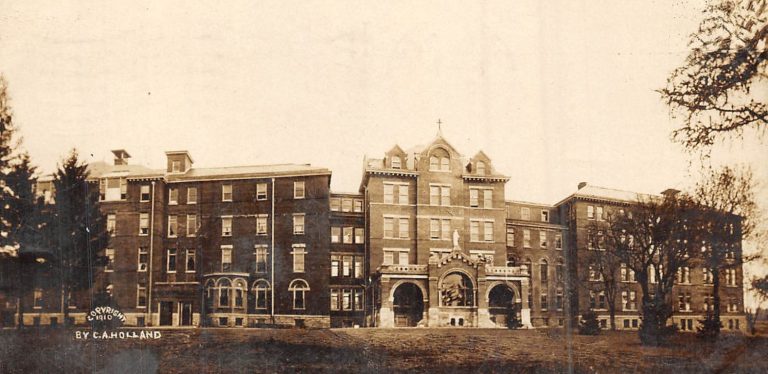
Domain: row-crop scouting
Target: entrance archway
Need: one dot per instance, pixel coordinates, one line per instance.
(408, 305)
(501, 305)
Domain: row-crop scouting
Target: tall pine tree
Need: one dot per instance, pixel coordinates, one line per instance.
(79, 228)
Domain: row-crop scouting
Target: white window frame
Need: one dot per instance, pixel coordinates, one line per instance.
(226, 257)
(230, 221)
(299, 190)
(261, 251)
(172, 218)
(109, 253)
(190, 199)
(299, 223)
(299, 252)
(112, 224)
(262, 224)
(145, 190)
(261, 192)
(227, 192)
(142, 251)
(191, 225)
(525, 213)
(171, 252)
(143, 218)
(173, 196)
(190, 253)
(141, 290)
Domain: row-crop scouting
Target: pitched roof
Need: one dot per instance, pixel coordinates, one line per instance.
(597, 192)
(248, 171)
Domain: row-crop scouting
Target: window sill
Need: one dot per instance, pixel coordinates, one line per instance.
(141, 307)
(37, 307)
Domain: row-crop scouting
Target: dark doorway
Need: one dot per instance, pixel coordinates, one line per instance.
(501, 304)
(408, 305)
(186, 314)
(166, 313)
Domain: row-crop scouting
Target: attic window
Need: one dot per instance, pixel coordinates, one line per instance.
(176, 166)
(396, 163)
(480, 168)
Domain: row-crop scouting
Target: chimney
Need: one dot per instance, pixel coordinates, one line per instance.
(178, 161)
(582, 185)
(120, 156)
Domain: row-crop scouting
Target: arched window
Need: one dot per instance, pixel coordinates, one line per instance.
(526, 265)
(480, 168)
(396, 163)
(260, 293)
(298, 288)
(456, 289)
(434, 163)
(224, 287)
(445, 164)
(240, 289)
(543, 271)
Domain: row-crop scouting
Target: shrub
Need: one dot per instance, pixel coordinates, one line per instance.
(589, 324)
(709, 328)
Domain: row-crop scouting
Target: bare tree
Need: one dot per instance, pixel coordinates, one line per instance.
(655, 238)
(729, 213)
(728, 60)
(603, 265)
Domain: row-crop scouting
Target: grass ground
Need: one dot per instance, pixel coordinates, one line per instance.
(375, 350)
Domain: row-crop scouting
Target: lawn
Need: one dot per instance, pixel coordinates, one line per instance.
(375, 350)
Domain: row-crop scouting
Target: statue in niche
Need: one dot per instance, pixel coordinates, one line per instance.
(455, 238)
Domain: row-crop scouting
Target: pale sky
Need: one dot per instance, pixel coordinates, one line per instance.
(555, 92)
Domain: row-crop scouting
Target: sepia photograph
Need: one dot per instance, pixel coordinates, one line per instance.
(384, 187)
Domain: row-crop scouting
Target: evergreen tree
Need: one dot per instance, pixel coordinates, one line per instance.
(79, 228)
(589, 324)
(8, 243)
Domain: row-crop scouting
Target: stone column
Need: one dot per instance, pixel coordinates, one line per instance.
(483, 316)
(525, 312)
(433, 303)
(386, 313)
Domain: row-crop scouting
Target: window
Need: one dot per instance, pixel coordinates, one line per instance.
(346, 266)
(558, 241)
(191, 195)
(396, 164)
(627, 274)
(347, 238)
(173, 195)
(111, 222)
(334, 299)
(346, 301)
(525, 214)
(544, 215)
(261, 290)
(143, 258)
(597, 300)
(358, 300)
(474, 231)
(389, 190)
(628, 300)
(299, 250)
(359, 235)
(335, 234)
(684, 302)
(298, 224)
(346, 205)
(389, 258)
(335, 266)
(730, 277)
(261, 258)
(389, 227)
(141, 296)
(240, 287)
(527, 238)
(708, 301)
(144, 196)
(559, 299)
(37, 301)
(402, 258)
(560, 271)
(173, 226)
(402, 194)
(403, 228)
(473, 197)
(224, 287)
(113, 189)
(191, 224)
(335, 204)
(358, 205)
(261, 191)
(143, 224)
(440, 195)
(488, 231)
(358, 267)
(445, 164)
(434, 163)
(544, 271)
(487, 199)
(707, 276)
(434, 229)
(226, 192)
(298, 288)
(226, 226)
(298, 190)
(261, 224)
(226, 258)
(590, 212)
(191, 265)
(170, 260)
(510, 237)
(109, 253)
(175, 166)
(456, 289)
(599, 215)
(544, 301)
(684, 275)
(480, 168)
(542, 239)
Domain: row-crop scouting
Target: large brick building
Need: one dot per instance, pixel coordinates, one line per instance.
(430, 239)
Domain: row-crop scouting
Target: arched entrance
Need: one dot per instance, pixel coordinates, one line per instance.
(502, 306)
(408, 305)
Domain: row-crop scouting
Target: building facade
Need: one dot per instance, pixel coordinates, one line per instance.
(430, 239)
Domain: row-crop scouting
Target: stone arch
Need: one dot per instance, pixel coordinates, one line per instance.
(457, 293)
(424, 294)
(457, 270)
(407, 305)
(515, 289)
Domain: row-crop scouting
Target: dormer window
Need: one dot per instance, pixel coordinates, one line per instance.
(434, 163)
(396, 162)
(480, 168)
(439, 160)
(176, 166)
(445, 164)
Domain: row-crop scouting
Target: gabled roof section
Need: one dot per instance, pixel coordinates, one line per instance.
(606, 194)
